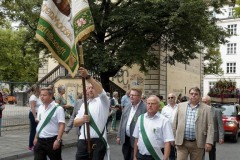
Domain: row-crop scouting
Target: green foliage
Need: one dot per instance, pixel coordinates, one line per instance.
(16, 66)
(212, 62)
(127, 29)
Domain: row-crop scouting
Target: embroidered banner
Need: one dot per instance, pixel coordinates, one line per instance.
(61, 25)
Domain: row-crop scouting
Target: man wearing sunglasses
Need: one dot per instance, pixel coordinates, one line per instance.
(169, 112)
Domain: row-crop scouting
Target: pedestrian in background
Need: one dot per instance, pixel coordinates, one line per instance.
(184, 99)
(152, 132)
(2, 107)
(125, 100)
(193, 127)
(161, 102)
(169, 112)
(114, 107)
(61, 100)
(128, 121)
(98, 110)
(76, 108)
(218, 127)
(34, 103)
(48, 139)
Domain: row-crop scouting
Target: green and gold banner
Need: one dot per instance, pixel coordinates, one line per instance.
(61, 25)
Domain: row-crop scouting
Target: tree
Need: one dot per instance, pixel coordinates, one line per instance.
(16, 67)
(125, 31)
(212, 62)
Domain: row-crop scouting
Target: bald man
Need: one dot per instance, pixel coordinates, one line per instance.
(218, 127)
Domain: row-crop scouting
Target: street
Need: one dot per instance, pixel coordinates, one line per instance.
(226, 151)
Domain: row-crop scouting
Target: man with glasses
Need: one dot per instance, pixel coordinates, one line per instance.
(128, 121)
(169, 112)
(193, 127)
(218, 127)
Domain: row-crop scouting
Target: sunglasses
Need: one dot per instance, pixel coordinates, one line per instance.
(170, 97)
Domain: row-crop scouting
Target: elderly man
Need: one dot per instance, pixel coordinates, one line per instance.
(193, 127)
(152, 132)
(169, 112)
(128, 122)
(98, 109)
(218, 127)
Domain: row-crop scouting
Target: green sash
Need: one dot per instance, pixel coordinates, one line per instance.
(94, 126)
(146, 140)
(47, 119)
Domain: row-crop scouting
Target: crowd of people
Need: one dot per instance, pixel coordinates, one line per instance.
(148, 129)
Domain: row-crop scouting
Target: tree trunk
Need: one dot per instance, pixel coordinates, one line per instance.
(105, 81)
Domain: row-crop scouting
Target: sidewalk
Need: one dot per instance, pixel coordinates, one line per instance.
(14, 143)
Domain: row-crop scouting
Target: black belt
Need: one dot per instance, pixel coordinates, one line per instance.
(146, 157)
(48, 138)
(191, 140)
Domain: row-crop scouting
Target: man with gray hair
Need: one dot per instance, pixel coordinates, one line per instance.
(218, 127)
(114, 107)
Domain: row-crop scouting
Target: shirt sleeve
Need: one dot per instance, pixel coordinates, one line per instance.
(168, 132)
(104, 99)
(60, 115)
(136, 129)
(32, 98)
(80, 112)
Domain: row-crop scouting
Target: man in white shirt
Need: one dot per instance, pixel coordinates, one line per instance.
(98, 110)
(128, 121)
(152, 132)
(48, 139)
(169, 112)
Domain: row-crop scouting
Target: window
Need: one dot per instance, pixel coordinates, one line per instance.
(230, 12)
(231, 48)
(231, 67)
(232, 29)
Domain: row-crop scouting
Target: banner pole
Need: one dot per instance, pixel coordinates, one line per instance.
(81, 64)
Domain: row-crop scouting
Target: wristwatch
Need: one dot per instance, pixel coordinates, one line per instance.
(59, 140)
(88, 76)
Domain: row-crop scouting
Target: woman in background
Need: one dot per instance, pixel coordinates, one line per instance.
(2, 107)
(34, 103)
(60, 99)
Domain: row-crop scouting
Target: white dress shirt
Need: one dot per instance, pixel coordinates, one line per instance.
(169, 112)
(51, 129)
(158, 129)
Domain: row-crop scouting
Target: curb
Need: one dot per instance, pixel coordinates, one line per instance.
(30, 153)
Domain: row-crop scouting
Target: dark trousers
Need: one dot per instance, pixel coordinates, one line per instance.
(98, 152)
(127, 150)
(144, 157)
(212, 153)
(33, 126)
(172, 155)
(44, 148)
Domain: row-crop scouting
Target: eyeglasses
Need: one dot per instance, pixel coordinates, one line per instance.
(171, 97)
(195, 94)
(132, 95)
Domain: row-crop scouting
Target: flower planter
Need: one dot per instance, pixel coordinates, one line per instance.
(224, 100)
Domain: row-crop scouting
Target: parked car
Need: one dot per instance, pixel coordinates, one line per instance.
(231, 119)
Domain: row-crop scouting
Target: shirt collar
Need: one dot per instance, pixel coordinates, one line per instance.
(173, 106)
(197, 106)
(135, 107)
(157, 115)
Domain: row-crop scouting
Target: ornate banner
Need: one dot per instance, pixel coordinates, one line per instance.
(61, 25)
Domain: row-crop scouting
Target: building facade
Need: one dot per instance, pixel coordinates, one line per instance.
(230, 52)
